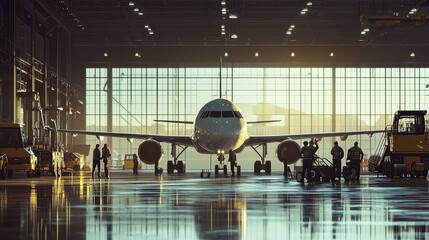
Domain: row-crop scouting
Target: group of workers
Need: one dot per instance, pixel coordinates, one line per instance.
(105, 156)
(308, 154)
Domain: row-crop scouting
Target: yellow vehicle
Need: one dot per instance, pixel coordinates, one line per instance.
(404, 149)
(14, 144)
(3, 166)
(129, 163)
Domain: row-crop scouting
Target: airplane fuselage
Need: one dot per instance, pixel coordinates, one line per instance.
(220, 127)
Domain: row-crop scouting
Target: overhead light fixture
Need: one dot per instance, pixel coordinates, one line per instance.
(366, 30)
(140, 13)
(146, 26)
(74, 134)
(363, 32)
(137, 54)
(332, 54)
(222, 26)
(105, 54)
(150, 33)
(412, 54)
(222, 3)
(223, 33)
(303, 13)
(234, 36)
(131, 4)
(223, 11)
(289, 32)
(136, 9)
(226, 54)
(292, 54)
(256, 54)
(233, 16)
(309, 4)
(292, 26)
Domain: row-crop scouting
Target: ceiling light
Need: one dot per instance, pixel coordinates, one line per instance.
(137, 54)
(332, 54)
(292, 54)
(150, 33)
(226, 54)
(366, 30)
(233, 16)
(234, 36)
(288, 32)
(363, 32)
(222, 3)
(149, 29)
(136, 9)
(412, 54)
(105, 54)
(309, 4)
(140, 13)
(222, 26)
(131, 4)
(146, 26)
(223, 33)
(292, 26)
(302, 12)
(256, 54)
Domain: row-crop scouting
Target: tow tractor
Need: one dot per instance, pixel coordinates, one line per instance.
(403, 149)
(14, 145)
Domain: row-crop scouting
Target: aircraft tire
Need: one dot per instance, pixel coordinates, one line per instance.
(170, 167)
(257, 167)
(180, 167)
(349, 173)
(268, 167)
(299, 177)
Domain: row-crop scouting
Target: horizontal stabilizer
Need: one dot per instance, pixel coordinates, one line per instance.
(266, 121)
(171, 121)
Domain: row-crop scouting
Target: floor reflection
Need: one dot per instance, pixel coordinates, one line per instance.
(188, 207)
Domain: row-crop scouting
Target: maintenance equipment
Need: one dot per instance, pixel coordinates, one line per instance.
(322, 170)
(14, 144)
(3, 166)
(403, 149)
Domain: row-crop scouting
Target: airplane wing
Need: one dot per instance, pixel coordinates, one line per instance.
(184, 140)
(253, 140)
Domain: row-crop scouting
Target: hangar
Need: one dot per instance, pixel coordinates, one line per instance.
(117, 66)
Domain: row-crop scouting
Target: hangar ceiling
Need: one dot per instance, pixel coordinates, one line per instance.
(253, 22)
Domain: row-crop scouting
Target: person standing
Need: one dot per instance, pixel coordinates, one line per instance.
(105, 155)
(136, 163)
(96, 156)
(307, 155)
(233, 162)
(355, 155)
(337, 154)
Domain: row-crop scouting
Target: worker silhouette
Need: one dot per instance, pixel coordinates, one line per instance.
(337, 154)
(233, 162)
(105, 155)
(307, 155)
(96, 156)
(135, 163)
(355, 155)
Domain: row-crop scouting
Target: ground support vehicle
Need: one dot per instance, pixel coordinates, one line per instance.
(321, 171)
(403, 150)
(20, 156)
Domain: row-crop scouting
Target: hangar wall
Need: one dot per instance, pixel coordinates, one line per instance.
(304, 99)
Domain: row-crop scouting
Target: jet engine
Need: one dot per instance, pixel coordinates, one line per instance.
(150, 151)
(289, 151)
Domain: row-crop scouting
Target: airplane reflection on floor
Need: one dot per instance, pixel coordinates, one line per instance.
(188, 207)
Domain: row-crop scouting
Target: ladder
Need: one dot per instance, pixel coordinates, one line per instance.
(382, 151)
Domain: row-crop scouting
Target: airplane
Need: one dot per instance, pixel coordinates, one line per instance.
(218, 128)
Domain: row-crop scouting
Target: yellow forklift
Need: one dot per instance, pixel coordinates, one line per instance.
(404, 148)
(15, 146)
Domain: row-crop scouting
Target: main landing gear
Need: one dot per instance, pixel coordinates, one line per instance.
(262, 164)
(180, 166)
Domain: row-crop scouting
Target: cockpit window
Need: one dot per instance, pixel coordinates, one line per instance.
(215, 114)
(205, 114)
(238, 114)
(227, 114)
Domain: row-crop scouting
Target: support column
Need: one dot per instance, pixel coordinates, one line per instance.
(109, 105)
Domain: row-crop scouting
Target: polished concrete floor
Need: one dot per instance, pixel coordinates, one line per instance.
(145, 206)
